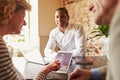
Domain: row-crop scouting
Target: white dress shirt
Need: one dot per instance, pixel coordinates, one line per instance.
(73, 40)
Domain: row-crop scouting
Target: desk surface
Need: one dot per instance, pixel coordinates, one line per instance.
(30, 70)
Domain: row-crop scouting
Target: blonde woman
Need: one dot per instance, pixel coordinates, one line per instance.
(12, 13)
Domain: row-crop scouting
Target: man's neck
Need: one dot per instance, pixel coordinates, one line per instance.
(62, 29)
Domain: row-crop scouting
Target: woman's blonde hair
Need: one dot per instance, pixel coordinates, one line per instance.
(8, 6)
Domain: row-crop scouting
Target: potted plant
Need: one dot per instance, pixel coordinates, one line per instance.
(101, 30)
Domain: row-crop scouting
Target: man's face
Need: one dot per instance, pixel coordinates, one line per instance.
(103, 10)
(61, 18)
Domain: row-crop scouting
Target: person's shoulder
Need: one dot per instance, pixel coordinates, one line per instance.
(75, 26)
(54, 30)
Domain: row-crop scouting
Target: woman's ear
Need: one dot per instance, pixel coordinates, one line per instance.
(68, 17)
(11, 13)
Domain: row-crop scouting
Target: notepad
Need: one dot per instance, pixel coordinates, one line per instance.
(84, 60)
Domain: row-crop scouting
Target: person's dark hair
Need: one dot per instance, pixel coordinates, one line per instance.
(64, 10)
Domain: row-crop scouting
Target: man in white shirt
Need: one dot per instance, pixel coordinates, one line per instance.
(67, 37)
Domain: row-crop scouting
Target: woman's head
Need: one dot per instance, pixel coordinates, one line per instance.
(8, 6)
(10, 14)
(61, 17)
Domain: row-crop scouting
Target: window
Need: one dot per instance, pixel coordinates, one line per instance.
(29, 34)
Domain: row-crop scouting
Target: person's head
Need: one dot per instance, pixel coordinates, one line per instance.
(61, 17)
(12, 13)
(103, 10)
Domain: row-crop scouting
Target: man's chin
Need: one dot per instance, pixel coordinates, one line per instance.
(98, 22)
(101, 22)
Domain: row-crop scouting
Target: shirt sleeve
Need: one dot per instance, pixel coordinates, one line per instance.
(49, 50)
(79, 41)
(41, 76)
(95, 74)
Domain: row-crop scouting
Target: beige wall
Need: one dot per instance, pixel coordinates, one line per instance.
(46, 19)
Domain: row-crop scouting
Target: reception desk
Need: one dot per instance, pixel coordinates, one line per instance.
(30, 70)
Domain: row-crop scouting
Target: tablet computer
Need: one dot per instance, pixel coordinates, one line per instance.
(65, 60)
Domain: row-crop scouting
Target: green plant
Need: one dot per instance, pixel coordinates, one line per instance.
(101, 30)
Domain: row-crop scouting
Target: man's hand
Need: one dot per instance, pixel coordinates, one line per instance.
(79, 74)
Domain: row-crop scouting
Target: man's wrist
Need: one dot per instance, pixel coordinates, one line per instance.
(95, 74)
